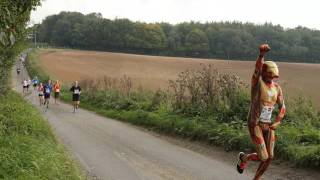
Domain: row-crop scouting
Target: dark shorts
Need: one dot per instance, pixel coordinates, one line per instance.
(76, 97)
(24, 87)
(40, 95)
(56, 94)
(47, 96)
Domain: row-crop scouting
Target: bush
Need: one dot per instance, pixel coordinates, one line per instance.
(206, 92)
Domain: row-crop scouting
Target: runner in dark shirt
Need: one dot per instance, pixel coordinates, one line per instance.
(76, 91)
(47, 89)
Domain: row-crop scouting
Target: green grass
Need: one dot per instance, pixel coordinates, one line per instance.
(28, 149)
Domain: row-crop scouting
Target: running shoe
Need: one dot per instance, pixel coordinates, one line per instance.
(240, 164)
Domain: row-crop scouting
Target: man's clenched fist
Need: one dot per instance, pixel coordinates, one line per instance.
(264, 48)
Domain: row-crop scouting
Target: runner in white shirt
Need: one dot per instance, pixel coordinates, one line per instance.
(24, 86)
(28, 84)
(41, 94)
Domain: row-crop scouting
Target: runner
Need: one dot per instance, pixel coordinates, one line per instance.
(76, 91)
(41, 95)
(35, 82)
(18, 70)
(56, 88)
(21, 59)
(24, 86)
(47, 89)
(265, 93)
(28, 84)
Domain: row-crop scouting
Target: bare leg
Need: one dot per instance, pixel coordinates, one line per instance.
(74, 106)
(47, 102)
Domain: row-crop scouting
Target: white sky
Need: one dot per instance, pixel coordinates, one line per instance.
(287, 13)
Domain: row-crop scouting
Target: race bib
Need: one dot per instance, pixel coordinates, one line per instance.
(57, 90)
(266, 113)
(76, 91)
(47, 90)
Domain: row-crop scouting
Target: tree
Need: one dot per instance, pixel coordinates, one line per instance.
(154, 37)
(197, 43)
(174, 42)
(14, 15)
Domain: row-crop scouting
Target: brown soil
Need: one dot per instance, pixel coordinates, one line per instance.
(153, 72)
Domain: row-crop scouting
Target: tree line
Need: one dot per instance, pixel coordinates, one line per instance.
(225, 40)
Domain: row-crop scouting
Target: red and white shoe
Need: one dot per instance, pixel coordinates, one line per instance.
(240, 164)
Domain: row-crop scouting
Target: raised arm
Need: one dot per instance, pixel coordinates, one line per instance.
(264, 48)
(282, 110)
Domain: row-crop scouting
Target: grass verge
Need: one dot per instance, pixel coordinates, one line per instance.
(34, 68)
(28, 149)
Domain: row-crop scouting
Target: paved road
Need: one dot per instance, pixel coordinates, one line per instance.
(110, 149)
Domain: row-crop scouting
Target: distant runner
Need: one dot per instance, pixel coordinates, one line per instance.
(18, 70)
(41, 94)
(47, 89)
(24, 86)
(28, 84)
(35, 82)
(265, 93)
(56, 89)
(76, 91)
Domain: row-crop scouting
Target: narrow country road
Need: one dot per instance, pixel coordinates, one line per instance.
(109, 149)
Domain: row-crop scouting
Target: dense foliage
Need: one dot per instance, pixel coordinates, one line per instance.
(226, 40)
(14, 15)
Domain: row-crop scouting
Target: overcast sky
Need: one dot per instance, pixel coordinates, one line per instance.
(287, 13)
